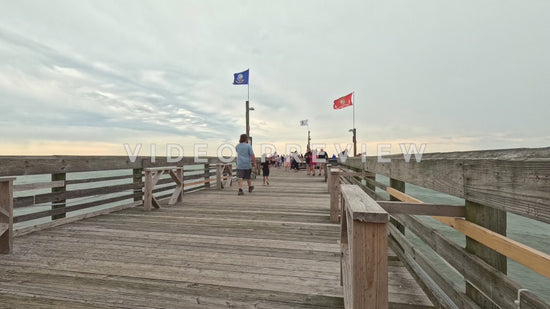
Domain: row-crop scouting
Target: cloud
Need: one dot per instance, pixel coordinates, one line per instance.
(464, 75)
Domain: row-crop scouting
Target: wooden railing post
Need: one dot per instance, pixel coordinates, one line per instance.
(495, 220)
(152, 177)
(148, 190)
(138, 181)
(56, 204)
(370, 184)
(328, 166)
(219, 175)
(399, 186)
(334, 189)
(207, 175)
(179, 186)
(6, 215)
(364, 245)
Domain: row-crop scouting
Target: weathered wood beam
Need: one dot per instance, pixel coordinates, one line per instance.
(59, 203)
(441, 289)
(45, 213)
(364, 250)
(492, 282)
(512, 180)
(62, 221)
(6, 217)
(334, 190)
(137, 180)
(534, 259)
(33, 165)
(135, 173)
(59, 196)
(39, 185)
(422, 209)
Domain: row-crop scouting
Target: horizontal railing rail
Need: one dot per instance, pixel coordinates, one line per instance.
(530, 257)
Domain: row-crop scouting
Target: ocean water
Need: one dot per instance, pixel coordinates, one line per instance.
(530, 232)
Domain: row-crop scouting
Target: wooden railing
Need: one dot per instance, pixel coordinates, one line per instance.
(6, 214)
(152, 177)
(492, 183)
(364, 250)
(63, 189)
(224, 175)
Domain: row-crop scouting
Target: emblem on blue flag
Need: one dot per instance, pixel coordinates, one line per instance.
(240, 78)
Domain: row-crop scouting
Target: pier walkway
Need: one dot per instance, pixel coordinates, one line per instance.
(273, 248)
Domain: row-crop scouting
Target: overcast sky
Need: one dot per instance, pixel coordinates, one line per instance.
(85, 77)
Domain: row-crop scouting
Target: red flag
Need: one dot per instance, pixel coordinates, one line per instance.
(344, 101)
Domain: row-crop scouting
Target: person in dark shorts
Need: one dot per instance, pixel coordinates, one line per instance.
(307, 157)
(265, 170)
(245, 161)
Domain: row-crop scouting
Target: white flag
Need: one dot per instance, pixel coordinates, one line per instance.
(303, 122)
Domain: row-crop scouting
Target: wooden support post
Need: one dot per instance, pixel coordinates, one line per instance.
(228, 170)
(148, 190)
(219, 175)
(207, 175)
(177, 196)
(258, 169)
(328, 177)
(364, 246)
(138, 181)
(370, 184)
(399, 186)
(6, 215)
(151, 179)
(61, 203)
(495, 220)
(334, 189)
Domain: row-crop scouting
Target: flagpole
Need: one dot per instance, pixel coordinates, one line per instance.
(354, 129)
(308, 137)
(354, 100)
(248, 108)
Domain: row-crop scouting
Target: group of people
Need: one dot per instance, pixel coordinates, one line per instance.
(316, 160)
(246, 160)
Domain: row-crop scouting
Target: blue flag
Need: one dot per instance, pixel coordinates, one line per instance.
(240, 78)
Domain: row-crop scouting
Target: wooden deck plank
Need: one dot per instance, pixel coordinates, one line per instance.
(273, 248)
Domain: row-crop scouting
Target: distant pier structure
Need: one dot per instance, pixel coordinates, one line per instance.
(109, 232)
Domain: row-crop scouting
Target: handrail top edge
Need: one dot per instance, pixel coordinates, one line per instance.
(361, 206)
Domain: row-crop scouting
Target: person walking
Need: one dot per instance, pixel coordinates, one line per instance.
(265, 170)
(245, 161)
(322, 159)
(313, 162)
(307, 157)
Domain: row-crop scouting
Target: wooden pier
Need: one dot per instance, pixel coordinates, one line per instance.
(107, 232)
(272, 248)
